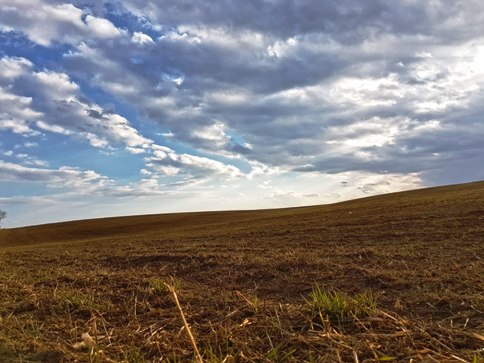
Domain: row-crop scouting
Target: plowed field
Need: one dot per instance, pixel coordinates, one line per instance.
(402, 275)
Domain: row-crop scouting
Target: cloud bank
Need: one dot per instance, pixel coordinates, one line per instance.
(194, 96)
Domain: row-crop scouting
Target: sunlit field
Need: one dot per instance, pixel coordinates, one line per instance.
(393, 278)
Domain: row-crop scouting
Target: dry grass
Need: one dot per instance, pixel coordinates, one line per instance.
(93, 291)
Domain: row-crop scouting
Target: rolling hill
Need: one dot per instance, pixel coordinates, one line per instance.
(396, 277)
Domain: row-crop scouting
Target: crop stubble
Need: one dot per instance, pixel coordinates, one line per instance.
(243, 279)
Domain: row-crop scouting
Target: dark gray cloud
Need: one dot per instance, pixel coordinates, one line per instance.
(346, 19)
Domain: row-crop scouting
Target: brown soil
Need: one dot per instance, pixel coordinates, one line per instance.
(244, 279)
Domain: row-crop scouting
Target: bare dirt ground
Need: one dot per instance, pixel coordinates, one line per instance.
(93, 291)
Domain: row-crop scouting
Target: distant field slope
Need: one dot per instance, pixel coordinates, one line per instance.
(453, 207)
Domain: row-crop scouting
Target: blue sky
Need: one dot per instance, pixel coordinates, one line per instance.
(118, 108)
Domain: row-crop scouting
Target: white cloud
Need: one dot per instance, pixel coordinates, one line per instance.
(52, 128)
(135, 150)
(282, 48)
(367, 92)
(30, 144)
(57, 107)
(377, 132)
(45, 23)
(168, 162)
(27, 159)
(78, 181)
(57, 86)
(141, 38)
(96, 140)
(456, 75)
(13, 67)
(423, 55)
(16, 113)
(101, 28)
(214, 134)
(221, 36)
(231, 97)
(258, 168)
(119, 88)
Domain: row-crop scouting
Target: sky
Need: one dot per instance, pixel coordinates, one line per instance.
(137, 107)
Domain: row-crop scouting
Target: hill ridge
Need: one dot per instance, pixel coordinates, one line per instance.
(111, 227)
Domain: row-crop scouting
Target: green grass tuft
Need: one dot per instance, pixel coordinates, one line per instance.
(73, 301)
(158, 286)
(338, 307)
(134, 356)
